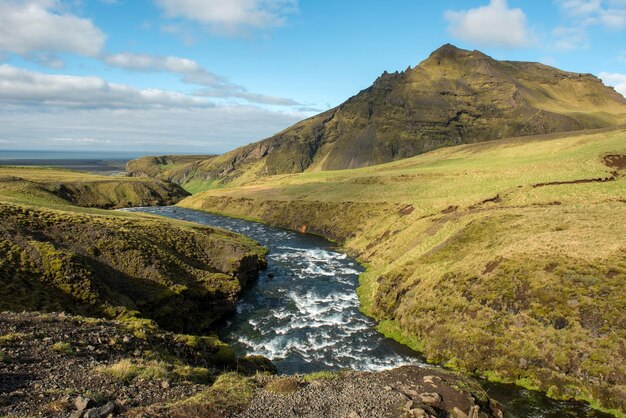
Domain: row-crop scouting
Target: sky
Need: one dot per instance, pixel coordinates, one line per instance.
(206, 76)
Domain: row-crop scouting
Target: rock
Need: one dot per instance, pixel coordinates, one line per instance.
(249, 365)
(418, 413)
(496, 408)
(81, 403)
(353, 415)
(409, 405)
(165, 384)
(473, 412)
(457, 413)
(430, 398)
(77, 414)
(412, 393)
(101, 412)
(387, 388)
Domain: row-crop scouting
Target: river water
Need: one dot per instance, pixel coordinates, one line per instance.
(303, 314)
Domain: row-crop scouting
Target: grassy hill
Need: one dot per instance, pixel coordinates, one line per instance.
(58, 253)
(504, 258)
(453, 97)
(181, 169)
(59, 187)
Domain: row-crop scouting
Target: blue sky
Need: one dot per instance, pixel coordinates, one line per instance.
(161, 76)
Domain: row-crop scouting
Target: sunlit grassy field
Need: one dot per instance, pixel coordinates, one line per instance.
(506, 259)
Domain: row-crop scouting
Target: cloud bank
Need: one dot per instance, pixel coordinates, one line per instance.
(193, 73)
(233, 16)
(29, 88)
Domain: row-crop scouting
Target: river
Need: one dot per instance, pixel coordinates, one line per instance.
(303, 314)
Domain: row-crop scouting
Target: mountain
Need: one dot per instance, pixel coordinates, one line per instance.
(453, 97)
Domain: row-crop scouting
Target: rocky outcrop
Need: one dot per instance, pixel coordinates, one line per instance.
(406, 392)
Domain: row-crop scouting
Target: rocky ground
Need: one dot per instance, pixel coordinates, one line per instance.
(408, 391)
(59, 365)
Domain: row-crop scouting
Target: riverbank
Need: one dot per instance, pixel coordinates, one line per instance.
(60, 365)
(501, 259)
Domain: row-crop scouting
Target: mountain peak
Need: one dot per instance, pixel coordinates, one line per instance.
(448, 50)
(451, 52)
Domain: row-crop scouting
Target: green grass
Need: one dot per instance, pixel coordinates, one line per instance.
(11, 338)
(126, 370)
(63, 348)
(197, 186)
(471, 262)
(228, 396)
(322, 375)
(283, 385)
(61, 257)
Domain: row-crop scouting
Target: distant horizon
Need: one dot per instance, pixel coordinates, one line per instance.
(104, 155)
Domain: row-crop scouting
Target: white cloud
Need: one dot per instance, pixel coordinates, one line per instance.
(583, 14)
(616, 80)
(193, 73)
(34, 26)
(203, 130)
(494, 25)
(568, 38)
(608, 13)
(28, 88)
(232, 16)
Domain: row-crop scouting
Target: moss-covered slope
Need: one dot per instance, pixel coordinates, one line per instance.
(181, 169)
(453, 97)
(179, 275)
(52, 186)
(505, 258)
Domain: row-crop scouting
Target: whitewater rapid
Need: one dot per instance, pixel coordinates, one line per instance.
(303, 311)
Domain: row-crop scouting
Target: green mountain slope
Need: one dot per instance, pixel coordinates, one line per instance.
(453, 97)
(504, 258)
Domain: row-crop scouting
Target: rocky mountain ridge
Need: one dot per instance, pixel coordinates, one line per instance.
(453, 97)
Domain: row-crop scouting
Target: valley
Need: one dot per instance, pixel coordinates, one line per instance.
(463, 219)
(503, 259)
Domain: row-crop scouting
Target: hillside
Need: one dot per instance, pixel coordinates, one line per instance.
(59, 254)
(54, 186)
(505, 258)
(180, 169)
(181, 276)
(453, 97)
